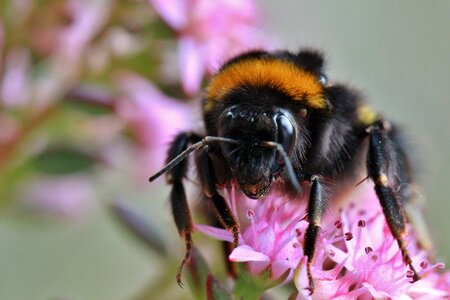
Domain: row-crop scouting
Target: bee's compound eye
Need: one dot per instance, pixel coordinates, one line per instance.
(303, 113)
(323, 79)
(285, 133)
(229, 115)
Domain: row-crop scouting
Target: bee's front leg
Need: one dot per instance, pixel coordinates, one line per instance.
(180, 208)
(223, 211)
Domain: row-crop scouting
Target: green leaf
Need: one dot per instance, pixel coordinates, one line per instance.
(247, 286)
(61, 161)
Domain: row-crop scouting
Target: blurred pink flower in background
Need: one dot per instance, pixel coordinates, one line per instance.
(356, 256)
(211, 32)
(14, 85)
(115, 42)
(154, 119)
(43, 73)
(14, 74)
(87, 19)
(68, 197)
(68, 55)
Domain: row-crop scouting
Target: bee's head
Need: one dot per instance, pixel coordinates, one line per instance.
(260, 99)
(253, 163)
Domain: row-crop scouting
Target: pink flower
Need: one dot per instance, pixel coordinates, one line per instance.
(14, 86)
(154, 119)
(88, 18)
(363, 249)
(65, 197)
(356, 255)
(69, 45)
(210, 32)
(270, 233)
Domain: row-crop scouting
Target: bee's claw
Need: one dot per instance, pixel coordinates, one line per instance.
(180, 283)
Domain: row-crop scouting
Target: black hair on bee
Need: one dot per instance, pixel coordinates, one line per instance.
(274, 123)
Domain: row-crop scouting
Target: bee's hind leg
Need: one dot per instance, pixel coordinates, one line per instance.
(385, 168)
(409, 193)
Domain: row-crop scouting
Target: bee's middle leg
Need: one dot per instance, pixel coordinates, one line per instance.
(316, 209)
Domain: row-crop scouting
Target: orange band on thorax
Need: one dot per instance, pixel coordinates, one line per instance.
(296, 83)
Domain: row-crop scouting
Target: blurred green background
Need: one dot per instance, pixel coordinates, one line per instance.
(396, 52)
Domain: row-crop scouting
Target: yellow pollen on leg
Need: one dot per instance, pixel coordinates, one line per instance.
(366, 115)
(382, 180)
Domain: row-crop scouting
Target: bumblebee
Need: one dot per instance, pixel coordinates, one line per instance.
(274, 123)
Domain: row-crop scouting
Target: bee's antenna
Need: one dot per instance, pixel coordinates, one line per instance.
(199, 145)
(364, 179)
(287, 161)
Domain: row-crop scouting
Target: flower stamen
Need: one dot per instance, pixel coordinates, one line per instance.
(348, 236)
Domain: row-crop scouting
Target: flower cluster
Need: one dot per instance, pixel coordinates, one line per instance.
(356, 255)
(270, 232)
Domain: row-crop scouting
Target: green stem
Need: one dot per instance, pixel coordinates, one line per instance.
(246, 287)
(248, 293)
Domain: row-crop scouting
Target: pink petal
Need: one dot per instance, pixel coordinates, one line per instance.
(257, 261)
(301, 280)
(151, 115)
(340, 256)
(15, 88)
(327, 289)
(257, 267)
(174, 12)
(290, 253)
(280, 266)
(378, 294)
(329, 274)
(214, 232)
(192, 64)
(50, 196)
(303, 295)
(354, 294)
(266, 241)
(427, 286)
(247, 253)
(88, 19)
